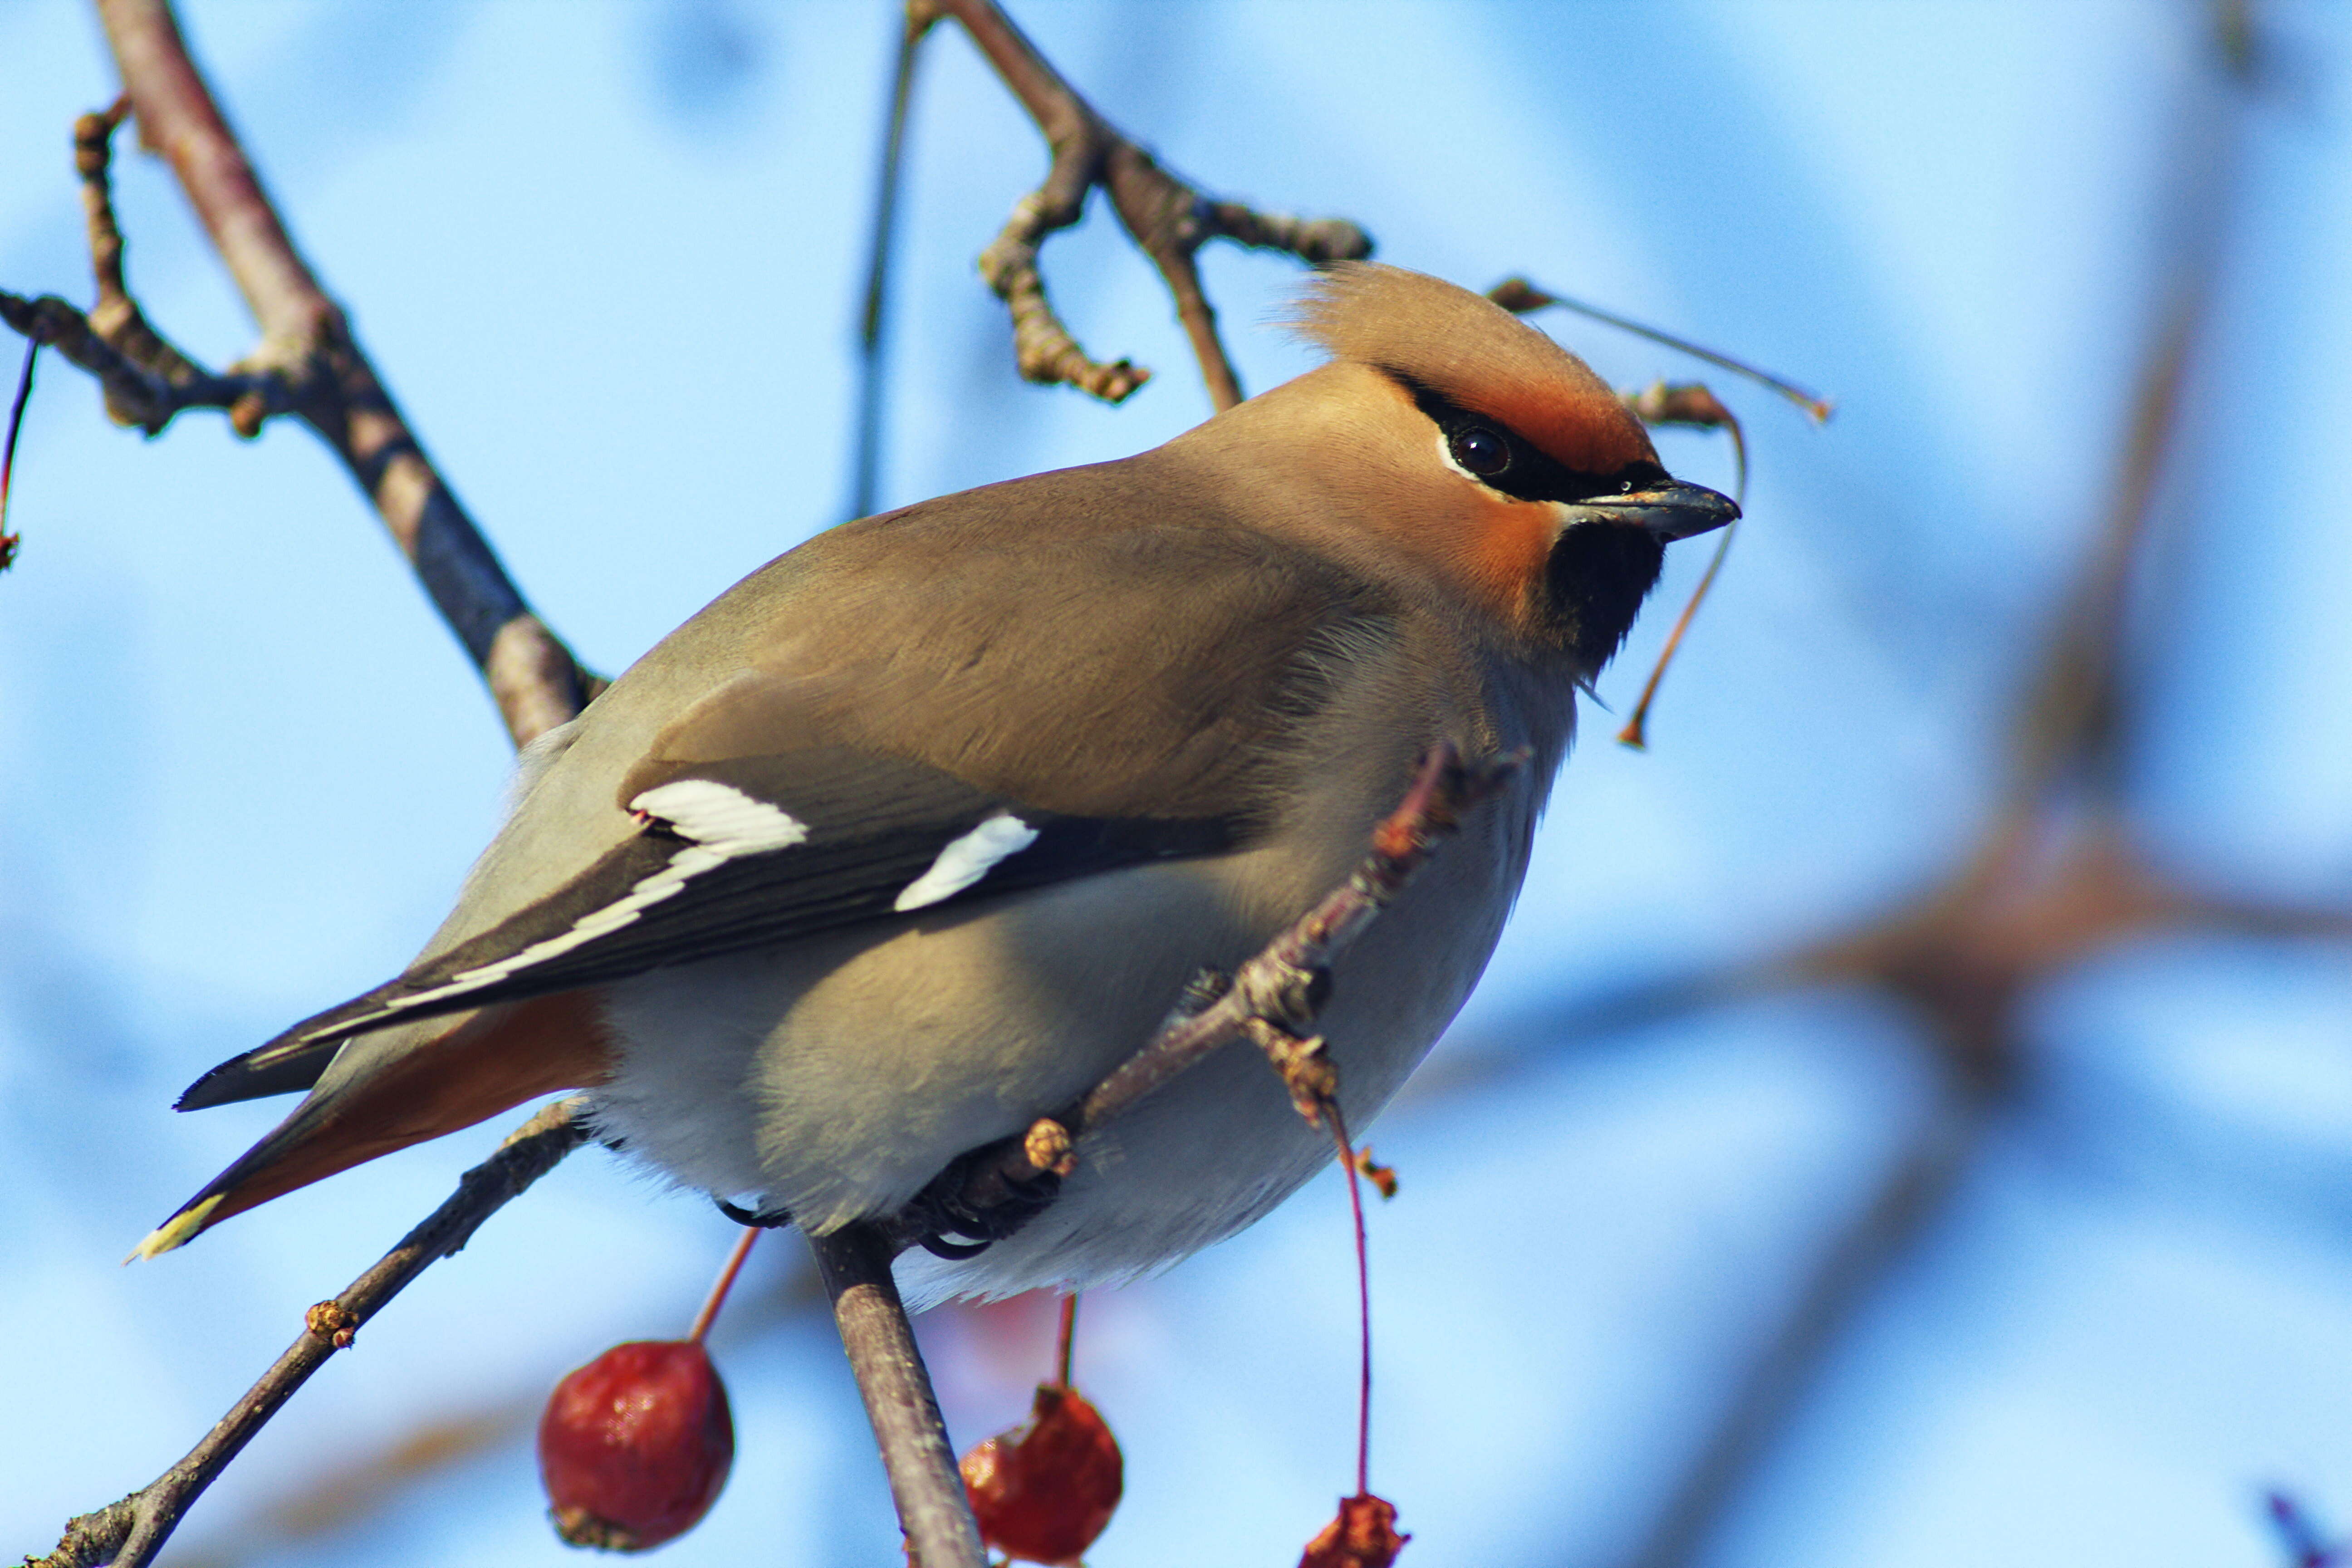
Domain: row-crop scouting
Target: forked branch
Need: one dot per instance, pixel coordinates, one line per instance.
(130, 1532)
(1271, 999)
(1169, 220)
(307, 362)
(146, 380)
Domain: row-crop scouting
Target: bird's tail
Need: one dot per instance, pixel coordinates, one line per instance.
(386, 1091)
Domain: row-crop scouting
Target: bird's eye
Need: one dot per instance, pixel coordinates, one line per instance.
(1482, 452)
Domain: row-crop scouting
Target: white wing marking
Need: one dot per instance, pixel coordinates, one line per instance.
(967, 860)
(721, 825)
(726, 820)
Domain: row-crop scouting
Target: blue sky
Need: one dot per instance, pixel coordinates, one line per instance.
(608, 259)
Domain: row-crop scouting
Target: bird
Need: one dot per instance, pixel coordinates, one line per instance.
(916, 833)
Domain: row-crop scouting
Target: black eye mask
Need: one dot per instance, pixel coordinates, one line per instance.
(1509, 462)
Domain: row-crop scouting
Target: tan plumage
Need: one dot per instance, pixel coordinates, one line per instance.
(1479, 354)
(915, 833)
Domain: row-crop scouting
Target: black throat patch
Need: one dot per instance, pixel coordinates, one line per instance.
(1594, 582)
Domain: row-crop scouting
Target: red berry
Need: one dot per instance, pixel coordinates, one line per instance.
(1364, 1535)
(1044, 1490)
(635, 1446)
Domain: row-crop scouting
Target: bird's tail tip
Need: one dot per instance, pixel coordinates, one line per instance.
(177, 1231)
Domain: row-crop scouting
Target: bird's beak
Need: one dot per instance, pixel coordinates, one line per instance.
(1671, 510)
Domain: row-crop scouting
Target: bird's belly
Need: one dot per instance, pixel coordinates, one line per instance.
(834, 1078)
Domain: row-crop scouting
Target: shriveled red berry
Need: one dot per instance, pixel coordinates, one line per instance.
(635, 1446)
(1044, 1490)
(1364, 1535)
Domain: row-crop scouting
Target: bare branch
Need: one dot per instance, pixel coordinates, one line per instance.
(1281, 987)
(1167, 220)
(307, 363)
(991, 1192)
(131, 1531)
(933, 1508)
(866, 461)
(8, 541)
(1520, 297)
(146, 380)
(2070, 720)
(2072, 727)
(135, 395)
(1910, 1198)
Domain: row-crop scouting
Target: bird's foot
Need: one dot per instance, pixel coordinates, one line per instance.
(758, 1219)
(945, 1222)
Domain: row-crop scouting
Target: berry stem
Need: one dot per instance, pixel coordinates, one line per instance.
(1363, 1298)
(8, 453)
(1636, 732)
(1518, 296)
(718, 1299)
(1067, 1343)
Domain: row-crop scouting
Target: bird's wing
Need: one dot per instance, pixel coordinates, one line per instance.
(888, 779)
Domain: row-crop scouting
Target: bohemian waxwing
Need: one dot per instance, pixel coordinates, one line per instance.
(917, 831)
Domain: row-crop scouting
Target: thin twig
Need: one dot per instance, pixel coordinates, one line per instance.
(1692, 406)
(933, 1508)
(1273, 993)
(1519, 297)
(116, 317)
(1167, 220)
(866, 464)
(1276, 985)
(131, 1531)
(297, 1519)
(307, 363)
(1277, 989)
(8, 540)
(145, 380)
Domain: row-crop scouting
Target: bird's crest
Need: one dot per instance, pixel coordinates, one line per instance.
(1434, 336)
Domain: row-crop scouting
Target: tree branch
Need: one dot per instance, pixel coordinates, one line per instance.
(865, 457)
(933, 1508)
(307, 363)
(989, 1193)
(146, 380)
(1911, 1197)
(1168, 218)
(131, 1531)
(1269, 998)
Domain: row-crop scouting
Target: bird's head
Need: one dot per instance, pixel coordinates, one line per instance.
(1501, 463)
